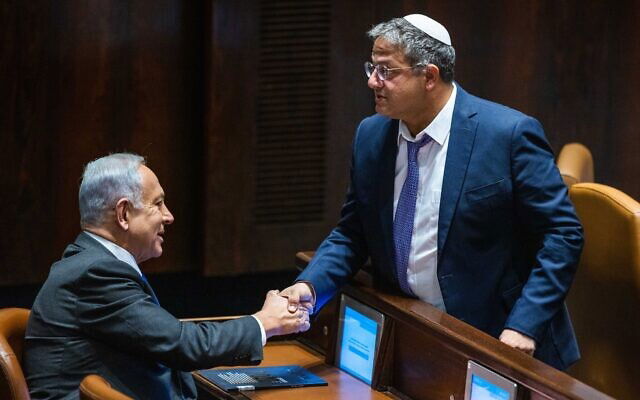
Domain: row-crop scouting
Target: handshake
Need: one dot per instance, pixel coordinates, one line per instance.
(285, 312)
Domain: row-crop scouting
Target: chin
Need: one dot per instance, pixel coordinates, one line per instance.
(383, 111)
(157, 253)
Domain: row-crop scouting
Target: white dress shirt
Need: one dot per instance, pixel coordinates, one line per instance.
(124, 256)
(423, 256)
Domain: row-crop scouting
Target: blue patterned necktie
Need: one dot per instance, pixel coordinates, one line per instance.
(405, 212)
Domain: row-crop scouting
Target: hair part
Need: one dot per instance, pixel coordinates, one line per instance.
(107, 180)
(419, 48)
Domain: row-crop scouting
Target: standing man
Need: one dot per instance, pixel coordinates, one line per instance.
(97, 314)
(457, 200)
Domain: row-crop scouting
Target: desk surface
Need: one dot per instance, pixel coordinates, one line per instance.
(341, 385)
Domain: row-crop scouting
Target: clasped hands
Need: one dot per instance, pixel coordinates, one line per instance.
(288, 311)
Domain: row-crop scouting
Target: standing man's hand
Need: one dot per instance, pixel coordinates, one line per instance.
(276, 318)
(300, 294)
(518, 341)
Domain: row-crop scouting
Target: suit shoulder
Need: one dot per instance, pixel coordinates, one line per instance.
(88, 259)
(374, 129)
(375, 123)
(492, 108)
(501, 119)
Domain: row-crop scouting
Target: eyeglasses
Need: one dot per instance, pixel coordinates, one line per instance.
(383, 71)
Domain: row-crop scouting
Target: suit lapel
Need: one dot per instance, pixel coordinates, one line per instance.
(462, 136)
(387, 176)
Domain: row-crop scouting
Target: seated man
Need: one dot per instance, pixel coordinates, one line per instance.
(96, 312)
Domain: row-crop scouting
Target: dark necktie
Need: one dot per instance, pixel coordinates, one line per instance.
(405, 212)
(153, 295)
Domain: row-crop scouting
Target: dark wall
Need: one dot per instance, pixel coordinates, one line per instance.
(183, 83)
(81, 79)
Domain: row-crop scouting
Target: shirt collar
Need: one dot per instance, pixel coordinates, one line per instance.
(118, 252)
(438, 129)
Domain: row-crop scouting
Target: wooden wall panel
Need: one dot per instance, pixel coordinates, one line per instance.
(237, 242)
(84, 79)
(229, 130)
(177, 81)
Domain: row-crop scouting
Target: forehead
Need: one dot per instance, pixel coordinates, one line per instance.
(150, 185)
(383, 50)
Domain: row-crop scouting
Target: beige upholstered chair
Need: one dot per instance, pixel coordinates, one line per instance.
(13, 323)
(94, 387)
(575, 164)
(604, 300)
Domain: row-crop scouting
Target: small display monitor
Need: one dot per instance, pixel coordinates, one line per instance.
(484, 384)
(359, 332)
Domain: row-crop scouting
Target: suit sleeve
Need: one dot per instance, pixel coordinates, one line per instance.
(542, 203)
(113, 307)
(344, 251)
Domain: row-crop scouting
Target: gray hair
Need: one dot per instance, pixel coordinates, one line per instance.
(107, 180)
(419, 48)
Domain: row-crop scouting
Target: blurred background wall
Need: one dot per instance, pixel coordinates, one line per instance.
(246, 111)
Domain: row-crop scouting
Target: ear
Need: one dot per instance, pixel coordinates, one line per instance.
(123, 208)
(432, 76)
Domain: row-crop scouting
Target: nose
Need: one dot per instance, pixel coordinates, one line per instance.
(167, 217)
(374, 81)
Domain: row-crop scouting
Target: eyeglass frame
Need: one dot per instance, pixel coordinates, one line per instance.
(384, 75)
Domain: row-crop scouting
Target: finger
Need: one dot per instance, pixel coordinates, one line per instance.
(307, 306)
(294, 302)
(303, 323)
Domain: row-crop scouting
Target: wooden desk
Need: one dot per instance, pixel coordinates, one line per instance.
(423, 355)
(341, 385)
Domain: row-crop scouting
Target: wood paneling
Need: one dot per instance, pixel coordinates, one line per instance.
(235, 240)
(83, 79)
(179, 82)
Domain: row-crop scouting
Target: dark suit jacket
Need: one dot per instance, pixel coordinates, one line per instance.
(96, 315)
(508, 236)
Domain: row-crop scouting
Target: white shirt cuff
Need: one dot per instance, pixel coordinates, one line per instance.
(262, 332)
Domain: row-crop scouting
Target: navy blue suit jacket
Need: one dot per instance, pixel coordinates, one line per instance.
(508, 237)
(96, 315)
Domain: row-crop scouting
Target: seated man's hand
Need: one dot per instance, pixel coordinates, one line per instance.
(278, 320)
(518, 341)
(299, 295)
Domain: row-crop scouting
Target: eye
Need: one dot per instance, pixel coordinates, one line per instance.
(383, 70)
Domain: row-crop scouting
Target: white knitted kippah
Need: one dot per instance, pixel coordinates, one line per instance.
(429, 26)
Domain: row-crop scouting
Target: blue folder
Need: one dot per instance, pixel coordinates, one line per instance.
(252, 378)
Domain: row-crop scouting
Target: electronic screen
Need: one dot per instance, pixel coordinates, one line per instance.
(484, 384)
(359, 333)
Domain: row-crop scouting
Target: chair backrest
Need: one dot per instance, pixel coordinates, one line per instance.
(94, 387)
(13, 323)
(575, 164)
(604, 300)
